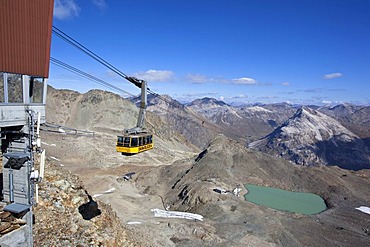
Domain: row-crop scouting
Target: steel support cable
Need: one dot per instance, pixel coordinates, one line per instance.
(96, 57)
(81, 47)
(87, 51)
(133, 80)
(88, 76)
(101, 82)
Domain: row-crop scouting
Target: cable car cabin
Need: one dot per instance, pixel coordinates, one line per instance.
(134, 143)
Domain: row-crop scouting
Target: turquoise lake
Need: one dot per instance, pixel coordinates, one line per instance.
(297, 202)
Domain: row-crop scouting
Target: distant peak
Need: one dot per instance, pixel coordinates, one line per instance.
(304, 110)
(207, 100)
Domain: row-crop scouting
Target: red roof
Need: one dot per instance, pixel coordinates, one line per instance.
(25, 36)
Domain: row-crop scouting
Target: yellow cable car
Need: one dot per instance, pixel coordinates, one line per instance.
(137, 139)
(134, 143)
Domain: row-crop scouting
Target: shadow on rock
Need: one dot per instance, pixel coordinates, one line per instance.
(90, 209)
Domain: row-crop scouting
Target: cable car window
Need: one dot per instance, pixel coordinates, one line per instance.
(119, 140)
(150, 139)
(126, 142)
(140, 141)
(134, 142)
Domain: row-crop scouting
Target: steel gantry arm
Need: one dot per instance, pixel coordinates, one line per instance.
(143, 103)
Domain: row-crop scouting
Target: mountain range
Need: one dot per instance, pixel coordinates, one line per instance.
(250, 122)
(304, 135)
(209, 144)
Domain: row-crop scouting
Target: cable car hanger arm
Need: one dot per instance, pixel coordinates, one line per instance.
(143, 104)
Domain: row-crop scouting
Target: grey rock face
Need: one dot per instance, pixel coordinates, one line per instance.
(355, 118)
(313, 138)
(252, 121)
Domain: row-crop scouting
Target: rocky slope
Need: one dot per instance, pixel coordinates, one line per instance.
(107, 113)
(66, 215)
(196, 129)
(251, 122)
(311, 138)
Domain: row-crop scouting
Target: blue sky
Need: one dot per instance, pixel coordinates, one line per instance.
(239, 51)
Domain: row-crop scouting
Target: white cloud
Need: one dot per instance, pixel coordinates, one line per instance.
(101, 4)
(153, 75)
(222, 98)
(326, 102)
(240, 96)
(200, 95)
(285, 83)
(188, 97)
(332, 76)
(64, 9)
(201, 79)
(244, 81)
(197, 78)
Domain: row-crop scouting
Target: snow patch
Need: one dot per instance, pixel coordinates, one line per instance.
(47, 144)
(258, 109)
(364, 209)
(176, 214)
(134, 223)
(111, 190)
(235, 113)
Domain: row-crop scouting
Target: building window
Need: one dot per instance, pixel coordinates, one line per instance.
(36, 90)
(15, 88)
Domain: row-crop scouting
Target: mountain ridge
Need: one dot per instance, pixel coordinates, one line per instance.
(312, 138)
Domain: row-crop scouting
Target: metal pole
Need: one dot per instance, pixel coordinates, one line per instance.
(30, 166)
(11, 186)
(26, 89)
(45, 91)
